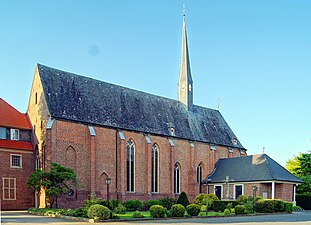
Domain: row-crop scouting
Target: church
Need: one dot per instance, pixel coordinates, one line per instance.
(124, 143)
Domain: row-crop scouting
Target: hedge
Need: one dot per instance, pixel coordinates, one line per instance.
(304, 200)
(220, 206)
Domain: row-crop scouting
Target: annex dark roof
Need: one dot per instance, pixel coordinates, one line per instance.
(78, 98)
(250, 168)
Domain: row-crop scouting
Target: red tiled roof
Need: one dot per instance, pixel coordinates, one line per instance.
(20, 145)
(10, 117)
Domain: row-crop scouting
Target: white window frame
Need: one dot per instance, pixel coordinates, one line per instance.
(156, 184)
(131, 181)
(11, 161)
(176, 179)
(222, 190)
(234, 189)
(13, 134)
(8, 188)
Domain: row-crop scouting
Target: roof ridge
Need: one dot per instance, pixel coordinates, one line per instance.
(269, 167)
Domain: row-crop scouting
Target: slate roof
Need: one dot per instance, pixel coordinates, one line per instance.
(11, 118)
(78, 98)
(250, 168)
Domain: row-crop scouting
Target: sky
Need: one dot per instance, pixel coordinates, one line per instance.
(250, 59)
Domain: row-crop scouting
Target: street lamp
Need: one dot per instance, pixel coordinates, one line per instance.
(208, 180)
(254, 188)
(108, 182)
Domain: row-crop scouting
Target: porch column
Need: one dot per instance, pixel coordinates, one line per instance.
(294, 193)
(273, 190)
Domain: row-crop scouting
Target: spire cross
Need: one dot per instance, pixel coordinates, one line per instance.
(184, 10)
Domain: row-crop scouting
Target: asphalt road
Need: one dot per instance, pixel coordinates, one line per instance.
(297, 218)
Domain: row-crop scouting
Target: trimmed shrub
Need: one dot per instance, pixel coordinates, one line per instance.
(278, 205)
(239, 209)
(98, 212)
(203, 208)
(304, 200)
(249, 207)
(167, 202)
(288, 207)
(183, 199)
(157, 211)
(199, 199)
(120, 209)
(80, 212)
(241, 199)
(93, 200)
(178, 210)
(264, 206)
(232, 210)
(132, 205)
(137, 214)
(227, 212)
(147, 204)
(114, 203)
(222, 205)
(257, 198)
(193, 209)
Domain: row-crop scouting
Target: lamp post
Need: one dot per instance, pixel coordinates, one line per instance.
(208, 180)
(254, 188)
(108, 182)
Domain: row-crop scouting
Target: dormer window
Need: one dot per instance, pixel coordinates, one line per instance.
(171, 128)
(234, 141)
(15, 134)
(213, 147)
(2, 133)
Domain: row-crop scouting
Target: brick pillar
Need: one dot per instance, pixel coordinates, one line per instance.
(93, 164)
(191, 173)
(149, 164)
(171, 167)
(122, 169)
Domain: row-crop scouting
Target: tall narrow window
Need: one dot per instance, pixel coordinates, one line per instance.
(155, 169)
(36, 98)
(9, 188)
(199, 176)
(176, 178)
(130, 163)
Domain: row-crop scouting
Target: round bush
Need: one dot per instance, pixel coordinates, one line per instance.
(157, 211)
(240, 209)
(178, 210)
(137, 214)
(227, 212)
(147, 204)
(193, 209)
(232, 210)
(199, 199)
(98, 212)
(241, 199)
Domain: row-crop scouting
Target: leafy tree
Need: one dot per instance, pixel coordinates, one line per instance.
(183, 199)
(54, 182)
(300, 166)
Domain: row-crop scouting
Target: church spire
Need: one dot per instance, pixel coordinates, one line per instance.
(185, 83)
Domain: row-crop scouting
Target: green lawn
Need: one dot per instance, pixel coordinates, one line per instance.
(127, 215)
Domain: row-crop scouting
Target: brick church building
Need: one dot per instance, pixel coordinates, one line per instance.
(149, 146)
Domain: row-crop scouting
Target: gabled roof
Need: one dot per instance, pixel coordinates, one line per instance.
(250, 168)
(20, 145)
(11, 118)
(78, 98)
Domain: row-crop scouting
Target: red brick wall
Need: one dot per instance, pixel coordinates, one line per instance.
(70, 144)
(24, 196)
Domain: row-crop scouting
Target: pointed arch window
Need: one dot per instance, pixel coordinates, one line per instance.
(176, 178)
(199, 176)
(155, 169)
(130, 165)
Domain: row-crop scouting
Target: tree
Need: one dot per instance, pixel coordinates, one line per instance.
(54, 182)
(300, 166)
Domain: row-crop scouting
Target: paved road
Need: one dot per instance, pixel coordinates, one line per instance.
(297, 218)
